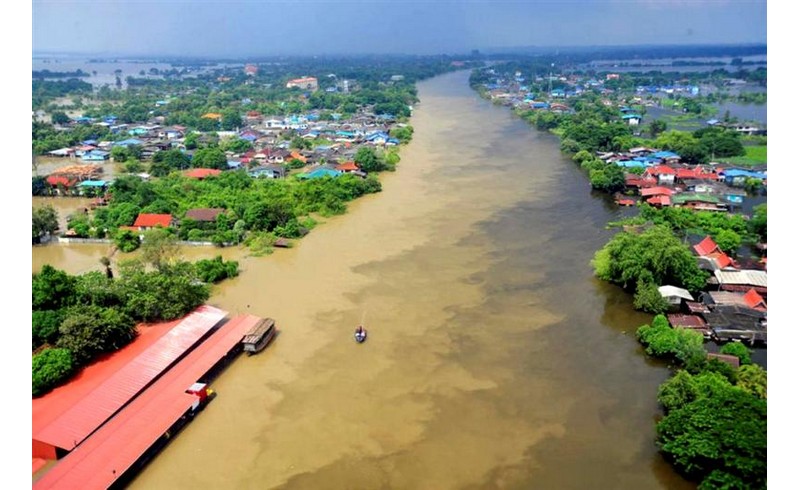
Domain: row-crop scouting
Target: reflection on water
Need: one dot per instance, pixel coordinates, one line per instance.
(495, 359)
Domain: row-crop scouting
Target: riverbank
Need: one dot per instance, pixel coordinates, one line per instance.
(620, 263)
(482, 368)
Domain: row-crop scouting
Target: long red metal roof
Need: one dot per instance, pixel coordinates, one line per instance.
(109, 452)
(85, 416)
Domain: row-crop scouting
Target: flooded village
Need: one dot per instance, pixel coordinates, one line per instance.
(447, 205)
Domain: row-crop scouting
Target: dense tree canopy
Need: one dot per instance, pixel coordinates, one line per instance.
(88, 330)
(45, 220)
(719, 439)
(654, 255)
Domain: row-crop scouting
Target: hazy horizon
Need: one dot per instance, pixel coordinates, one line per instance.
(252, 28)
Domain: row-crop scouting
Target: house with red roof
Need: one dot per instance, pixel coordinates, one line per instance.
(659, 201)
(296, 155)
(656, 191)
(754, 300)
(664, 173)
(634, 181)
(712, 256)
(707, 246)
(348, 167)
(146, 221)
(202, 173)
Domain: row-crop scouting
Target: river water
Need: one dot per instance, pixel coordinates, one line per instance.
(494, 360)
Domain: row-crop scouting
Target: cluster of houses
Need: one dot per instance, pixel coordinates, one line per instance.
(665, 181)
(332, 142)
(734, 305)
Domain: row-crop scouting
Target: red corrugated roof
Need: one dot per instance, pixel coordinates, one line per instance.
(56, 180)
(722, 259)
(347, 166)
(111, 451)
(662, 170)
(686, 173)
(754, 300)
(202, 173)
(657, 191)
(85, 416)
(49, 407)
(707, 246)
(660, 200)
(151, 220)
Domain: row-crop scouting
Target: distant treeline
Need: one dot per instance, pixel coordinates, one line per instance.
(59, 74)
(589, 53)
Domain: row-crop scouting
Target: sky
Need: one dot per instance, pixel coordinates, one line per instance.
(241, 28)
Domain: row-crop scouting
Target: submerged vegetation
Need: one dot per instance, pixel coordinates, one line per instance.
(78, 318)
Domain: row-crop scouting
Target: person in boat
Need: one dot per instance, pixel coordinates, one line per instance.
(361, 334)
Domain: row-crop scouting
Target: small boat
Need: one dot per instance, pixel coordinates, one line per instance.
(360, 335)
(257, 338)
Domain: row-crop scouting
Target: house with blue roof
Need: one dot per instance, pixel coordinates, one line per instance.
(128, 142)
(540, 105)
(319, 173)
(737, 177)
(665, 155)
(632, 119)
(95, 156)
(631, 164)
(377, 135)
(558, 93)
(83, 120)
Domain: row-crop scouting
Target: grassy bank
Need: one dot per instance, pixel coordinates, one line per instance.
(755, 155)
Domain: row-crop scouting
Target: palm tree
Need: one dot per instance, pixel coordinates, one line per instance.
(107, 263)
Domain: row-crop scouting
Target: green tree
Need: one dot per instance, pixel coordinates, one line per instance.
(210, 158)
(728, 240)
(753, 379)
(655, 255)
(119, 153)
(51, 367)
(237, 145)
(300, 143)
(159, 247)
(719, 439)
(657, 127)
(45, 326)
(216, 269)
(60, 117)
(89, 330)
(126, 241)
(649, 299)
(231, 119)
(758, 223)
(190, 141)
(166, 294)
(45, 221)
(52, 289)
(678, 391)
(367, 160)
(739, 350)
(295, 163)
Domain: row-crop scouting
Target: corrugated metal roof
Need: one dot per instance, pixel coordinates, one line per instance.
(746, 277)
(84, 417)
(108, 453)
(667, 291)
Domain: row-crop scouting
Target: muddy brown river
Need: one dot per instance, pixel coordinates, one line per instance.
(494, 359)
